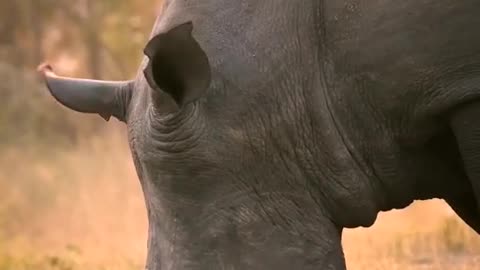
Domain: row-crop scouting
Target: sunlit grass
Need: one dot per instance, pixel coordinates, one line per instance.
(62, 262)
(80, 205)
(424, 236)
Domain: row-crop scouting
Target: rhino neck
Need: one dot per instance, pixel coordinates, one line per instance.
(173, 245)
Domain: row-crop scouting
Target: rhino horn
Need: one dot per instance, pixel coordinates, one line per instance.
(106, 98)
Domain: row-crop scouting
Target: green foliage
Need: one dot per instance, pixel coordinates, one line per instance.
(104, 37)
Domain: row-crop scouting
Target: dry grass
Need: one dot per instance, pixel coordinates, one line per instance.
(426, 235)
(82, 208)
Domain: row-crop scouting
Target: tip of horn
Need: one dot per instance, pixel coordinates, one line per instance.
(47, 73)
(45, 69)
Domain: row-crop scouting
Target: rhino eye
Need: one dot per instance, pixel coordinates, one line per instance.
(177, 65)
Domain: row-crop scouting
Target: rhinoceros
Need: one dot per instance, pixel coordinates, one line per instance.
(260, 129)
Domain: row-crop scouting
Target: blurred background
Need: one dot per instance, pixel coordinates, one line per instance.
(69, 195)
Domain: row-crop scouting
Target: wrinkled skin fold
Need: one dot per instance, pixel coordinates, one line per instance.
(260, 129)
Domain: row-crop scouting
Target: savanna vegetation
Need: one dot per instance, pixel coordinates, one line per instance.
(69, 195)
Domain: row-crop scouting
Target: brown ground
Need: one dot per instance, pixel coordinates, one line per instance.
(83, 208)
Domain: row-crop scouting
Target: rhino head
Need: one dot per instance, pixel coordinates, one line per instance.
(205, 207)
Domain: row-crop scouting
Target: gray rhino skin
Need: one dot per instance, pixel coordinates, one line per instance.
(261, 129)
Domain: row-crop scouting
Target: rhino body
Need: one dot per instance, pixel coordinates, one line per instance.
(261, 129)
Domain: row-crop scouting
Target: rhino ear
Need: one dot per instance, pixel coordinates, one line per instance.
(178, 65)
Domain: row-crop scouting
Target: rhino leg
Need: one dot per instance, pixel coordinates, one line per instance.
(466, 208)
(465, 124)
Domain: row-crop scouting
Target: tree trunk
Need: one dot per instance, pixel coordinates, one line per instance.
(10, 50)
(37, 27)
(93, 43)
